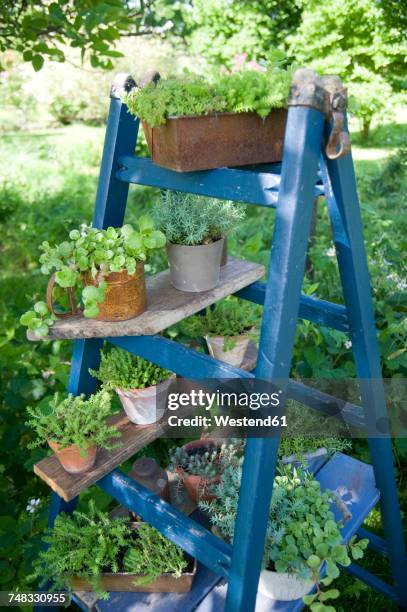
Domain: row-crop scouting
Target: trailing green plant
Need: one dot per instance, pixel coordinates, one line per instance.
(83, 545)
(229, 318)
(237, 92)
(94, 252)
(302, 535)
(74, 420)
(120, 369)
(88, 544)
(152, 555)
(190, 219)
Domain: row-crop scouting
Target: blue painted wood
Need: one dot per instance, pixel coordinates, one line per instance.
(341, 193)
(241, 185)
(85, 355)
(375, 542)
(281, 305)
(313, 309)
(190, 364)
(176, 526)
(373, 581)
(121, 137)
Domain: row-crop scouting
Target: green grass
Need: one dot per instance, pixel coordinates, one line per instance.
(47, 186)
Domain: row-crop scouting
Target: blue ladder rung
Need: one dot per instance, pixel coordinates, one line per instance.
(258, 187)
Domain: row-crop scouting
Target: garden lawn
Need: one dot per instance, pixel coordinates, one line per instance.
(47, 187)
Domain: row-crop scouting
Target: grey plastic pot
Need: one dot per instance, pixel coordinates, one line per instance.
(283, 586)
(145, 406)
(195, 268)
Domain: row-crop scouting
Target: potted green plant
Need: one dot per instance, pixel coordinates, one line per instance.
(93, 551)
(200, 463)
(194, 123)
(194, 227)
(140, 384)
(74, 428)
(107, 266)
(303, 547)
(227, 328)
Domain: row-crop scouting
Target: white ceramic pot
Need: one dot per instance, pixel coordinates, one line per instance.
(283, 586)
(234, 356)
(143, 406)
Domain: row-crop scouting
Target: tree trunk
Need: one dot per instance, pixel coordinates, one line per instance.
(366, 129)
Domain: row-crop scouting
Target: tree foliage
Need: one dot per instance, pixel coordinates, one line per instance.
(40, 29)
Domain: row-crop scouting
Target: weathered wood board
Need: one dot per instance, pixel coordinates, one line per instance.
(165, 305)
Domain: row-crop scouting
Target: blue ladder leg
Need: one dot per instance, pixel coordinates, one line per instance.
(343, 204)
(293, 220)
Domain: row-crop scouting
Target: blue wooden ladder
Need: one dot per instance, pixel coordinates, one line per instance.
(316, 109)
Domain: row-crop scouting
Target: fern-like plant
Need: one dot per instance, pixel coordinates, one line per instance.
(190, 219)
(229, 318)
(83, 545)
(121, 370)
(74, 420)
(152, 555)
(189, 94)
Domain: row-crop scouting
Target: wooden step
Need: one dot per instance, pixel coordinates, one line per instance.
(166, 305)
(134, 438)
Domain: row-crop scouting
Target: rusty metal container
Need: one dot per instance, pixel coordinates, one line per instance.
(203, 142)
(125, 296)
(123, 582)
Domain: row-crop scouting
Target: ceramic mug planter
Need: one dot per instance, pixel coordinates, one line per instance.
(235, 355)
(283, 586)
(195, 268)
(145, 406)
(71, 459)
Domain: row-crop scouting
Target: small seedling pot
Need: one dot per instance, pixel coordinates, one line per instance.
(189, 143)
(198, 487)
(195, 268)
(145, 406)
(234, 356)
(283, 586)
(71, 459)
(125, 295)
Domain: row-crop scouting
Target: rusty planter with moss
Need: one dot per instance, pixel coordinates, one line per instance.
(202, 142)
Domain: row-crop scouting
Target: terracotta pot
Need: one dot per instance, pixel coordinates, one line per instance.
(71, 459)
(125, 296)
(201, 142)
(283, 586)
(234, 356)
(143, 406)
(198, 487)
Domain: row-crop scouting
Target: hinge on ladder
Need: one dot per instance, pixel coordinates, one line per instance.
(328, 95)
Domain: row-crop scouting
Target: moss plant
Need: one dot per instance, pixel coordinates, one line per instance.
(121, 370)
(189, 219)
(74, 420)
(241, 91)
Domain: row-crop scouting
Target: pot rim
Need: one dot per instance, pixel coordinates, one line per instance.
(194, 246)
(219, 114)
(70, 447)
(150, 388)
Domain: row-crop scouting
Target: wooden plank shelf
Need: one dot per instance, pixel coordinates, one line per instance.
(165, 305)
(351, 479)
(134, 438)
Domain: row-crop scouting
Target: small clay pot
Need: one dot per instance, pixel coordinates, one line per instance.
(195, 268)
(71, 459)
(125, 295)
(234, 356)
(198, 487)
